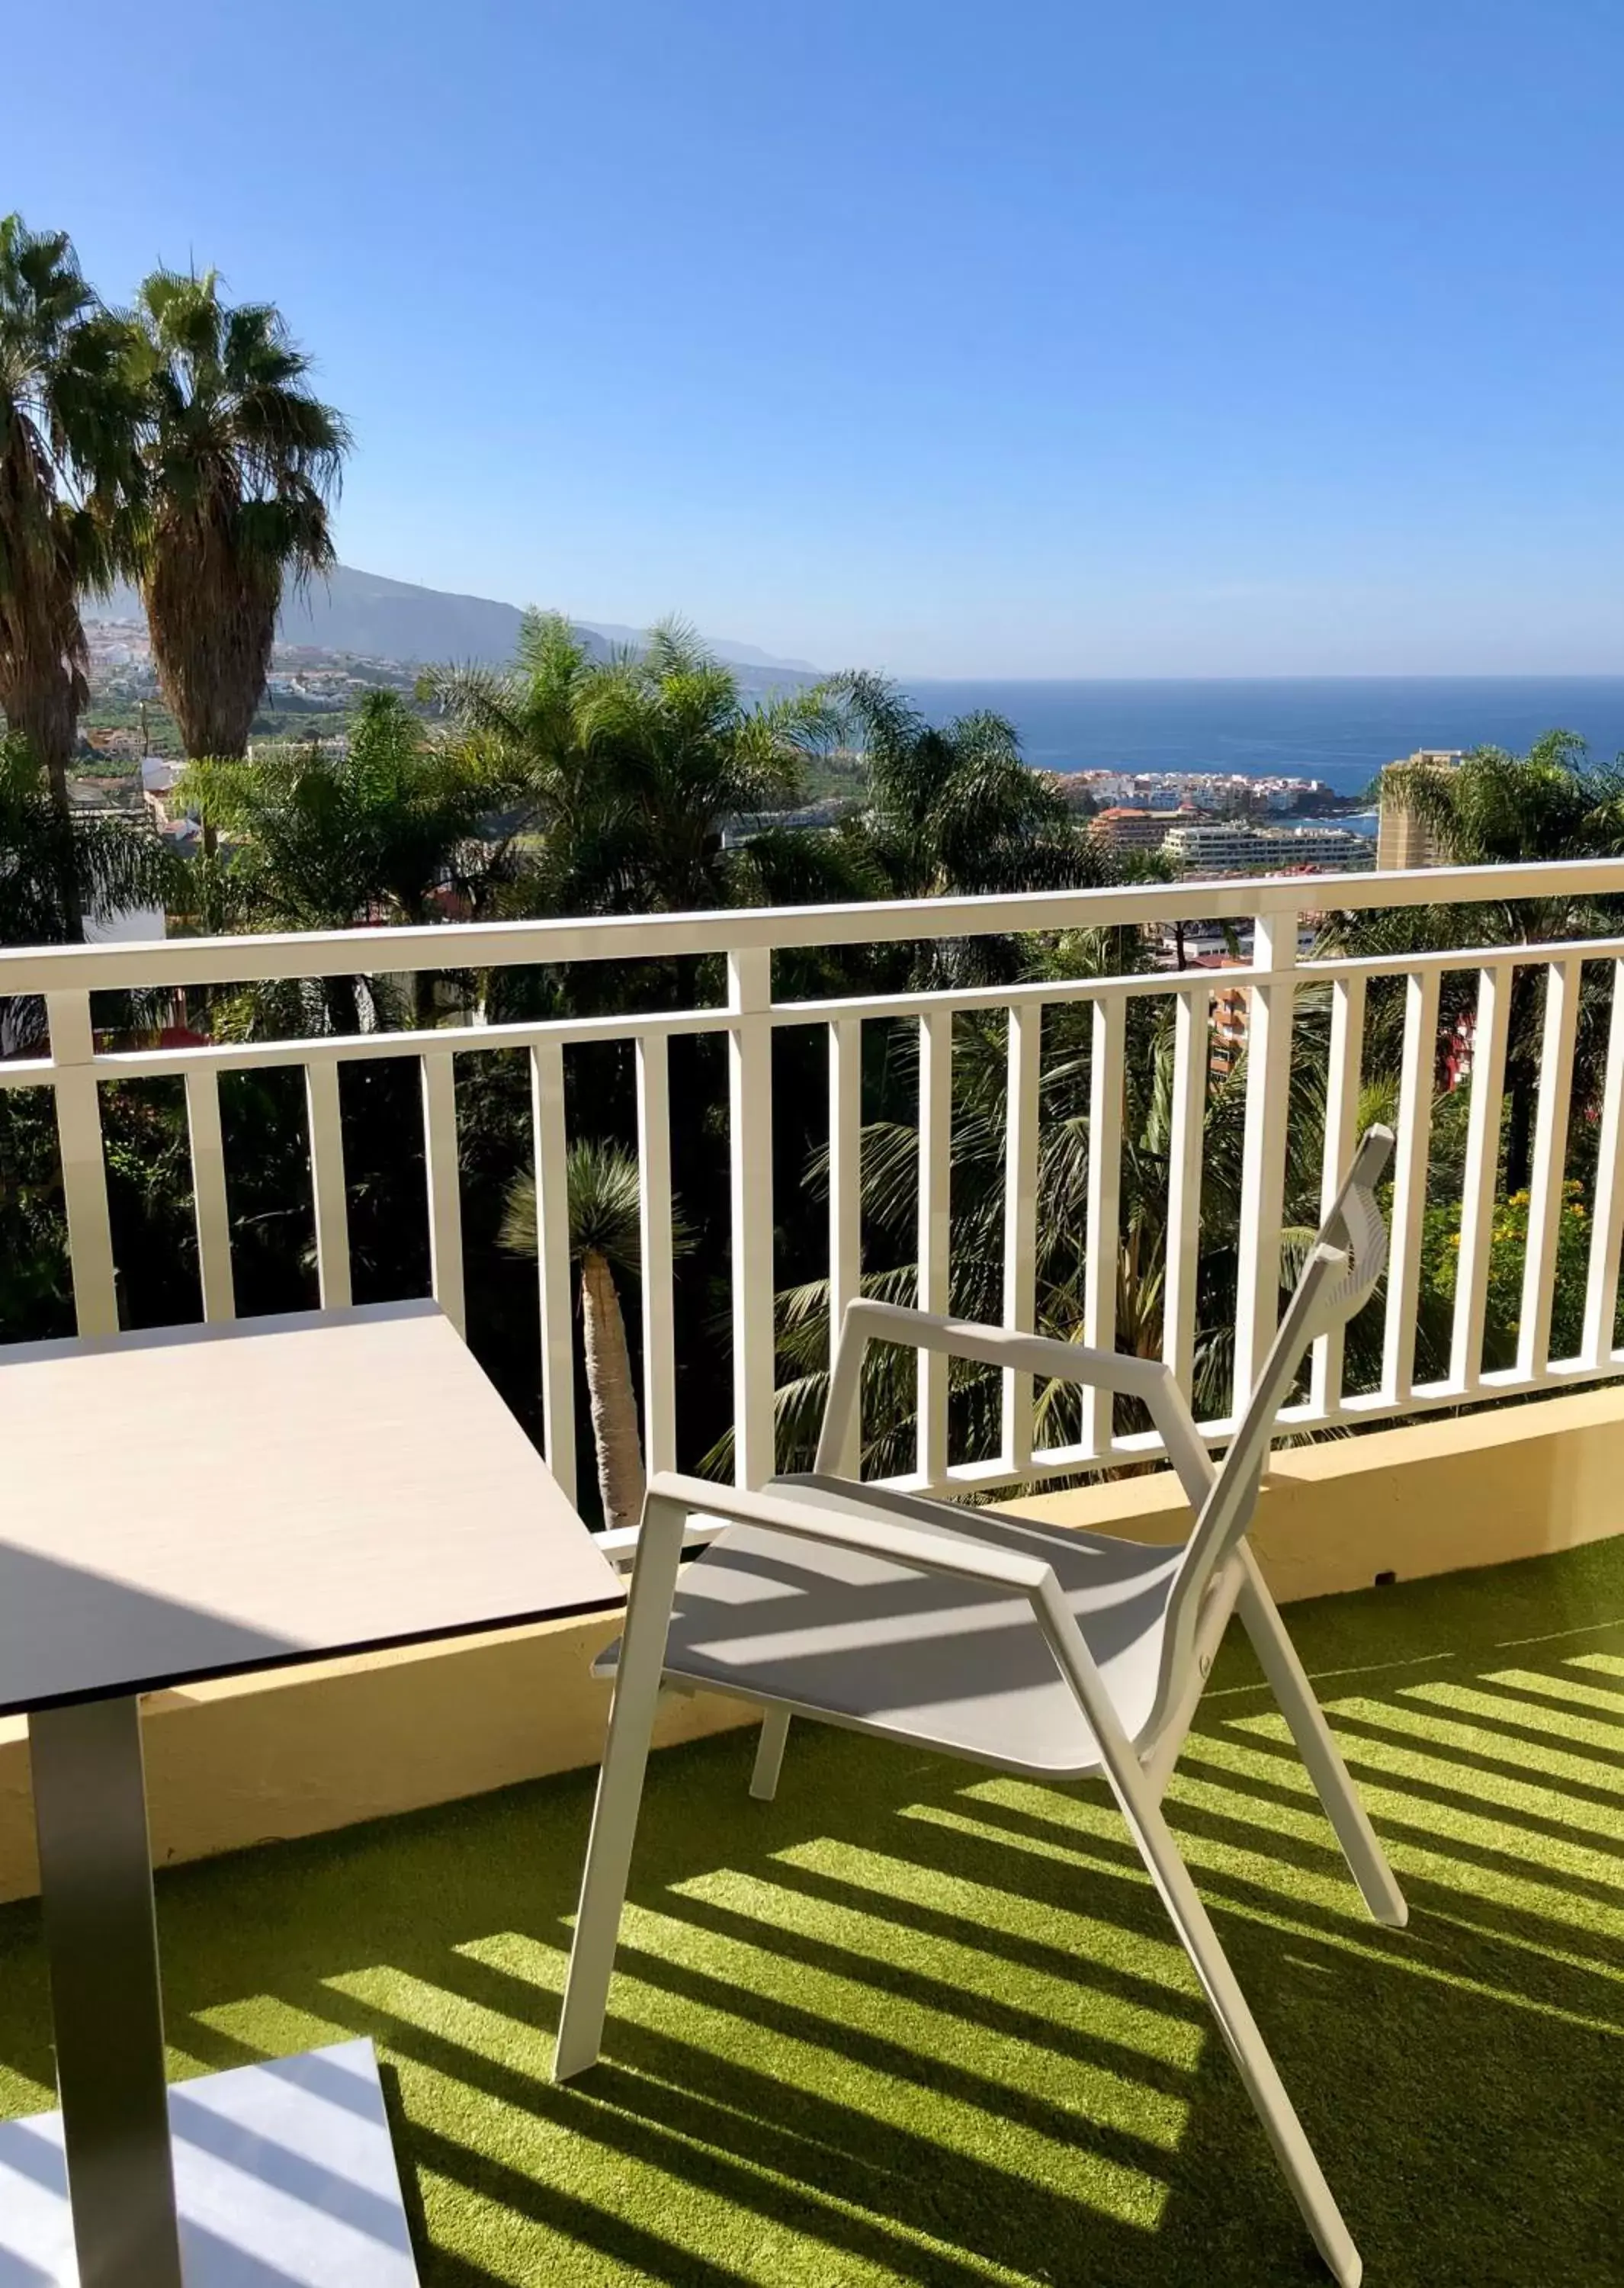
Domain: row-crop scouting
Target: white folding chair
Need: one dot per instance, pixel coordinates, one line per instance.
(1028, 1648)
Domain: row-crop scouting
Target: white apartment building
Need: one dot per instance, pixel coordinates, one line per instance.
(1337, 849)
(1233, 848)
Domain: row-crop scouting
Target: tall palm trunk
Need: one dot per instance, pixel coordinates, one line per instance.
(41, 703)
(43, 655)
(614, 1401)
(1523, 1092)
(213, 623)
(46, 717)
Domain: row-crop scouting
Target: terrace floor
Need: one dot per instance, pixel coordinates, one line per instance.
(914, 2024)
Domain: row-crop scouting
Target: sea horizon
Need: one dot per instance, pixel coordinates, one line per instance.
(1339, 729)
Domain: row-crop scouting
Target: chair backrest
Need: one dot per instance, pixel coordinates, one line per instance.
(1343, 1267)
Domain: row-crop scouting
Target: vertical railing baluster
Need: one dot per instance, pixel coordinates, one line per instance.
(210, 1208)
(845, 1201)
(85, 1173)
(1021, 1219)
(328, 1193)
(1268, 1114)
(1343, 1072)
(1104, 1210)
(553, 1258)
(442, 1181)
(1191, 1053)
(1562, 980)
(749, 1068)
(1417, 1066)
(935, 1229)
(1481, 1180)
(654, 1212)
(1607, 1213)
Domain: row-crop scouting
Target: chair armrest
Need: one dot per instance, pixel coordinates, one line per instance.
(952, 1554)
(1149, 1380)
(925, 1331)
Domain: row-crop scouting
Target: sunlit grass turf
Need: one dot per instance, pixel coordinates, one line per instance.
(912, 2023)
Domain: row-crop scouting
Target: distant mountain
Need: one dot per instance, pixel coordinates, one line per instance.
(362, 612)
(736, 654)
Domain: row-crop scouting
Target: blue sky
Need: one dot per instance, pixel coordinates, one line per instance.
(1202, 338)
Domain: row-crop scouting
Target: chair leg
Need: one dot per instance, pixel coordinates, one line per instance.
(1136, 1800)
(1317, 1746)
(769, 1753)
(620, 1791)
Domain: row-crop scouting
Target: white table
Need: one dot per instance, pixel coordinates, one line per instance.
(192, 1503)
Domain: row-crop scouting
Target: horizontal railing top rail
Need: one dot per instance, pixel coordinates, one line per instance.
(641, 937)
(155, 1062)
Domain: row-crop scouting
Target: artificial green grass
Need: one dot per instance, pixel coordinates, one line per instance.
(915, 2024)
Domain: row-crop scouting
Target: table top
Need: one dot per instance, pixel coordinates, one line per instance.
(199, 1500)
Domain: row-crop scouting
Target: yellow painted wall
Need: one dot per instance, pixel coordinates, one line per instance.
(1432, 1496)
(256, 1759)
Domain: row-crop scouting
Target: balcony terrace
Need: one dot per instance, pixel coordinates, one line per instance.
(909, 2023)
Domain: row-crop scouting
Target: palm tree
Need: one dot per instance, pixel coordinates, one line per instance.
(54, 868)
(521, 722)
(519, 731)
(666, 732)
(955, 810)
(68, 467)
(605, 1235)
(326, 837)
(1493, 809)
(243, 465)
(629, 769)
(642, 782)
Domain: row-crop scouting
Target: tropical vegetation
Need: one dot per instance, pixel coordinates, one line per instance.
(1495, 808)
(627, 774)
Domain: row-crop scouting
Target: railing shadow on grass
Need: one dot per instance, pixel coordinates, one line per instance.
(865, 2191)
(791, 2158)
(1457, 2078)
(1479, 2008)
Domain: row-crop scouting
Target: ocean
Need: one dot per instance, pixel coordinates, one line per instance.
(1340, 729)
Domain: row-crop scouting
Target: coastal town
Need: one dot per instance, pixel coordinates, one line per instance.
(1199, 824)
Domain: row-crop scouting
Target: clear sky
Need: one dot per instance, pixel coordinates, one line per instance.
(1198, 336)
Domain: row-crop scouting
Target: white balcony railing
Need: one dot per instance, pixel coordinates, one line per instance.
(75, 1068)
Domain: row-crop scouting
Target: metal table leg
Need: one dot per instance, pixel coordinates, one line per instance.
(90, 1812)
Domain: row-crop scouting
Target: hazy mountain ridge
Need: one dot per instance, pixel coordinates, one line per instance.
(364, 614)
